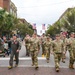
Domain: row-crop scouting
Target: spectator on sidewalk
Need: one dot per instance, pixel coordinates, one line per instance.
(15, 46)
(5, 45)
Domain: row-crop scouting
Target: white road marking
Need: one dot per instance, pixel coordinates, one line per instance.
(34, 66)
(24, 58)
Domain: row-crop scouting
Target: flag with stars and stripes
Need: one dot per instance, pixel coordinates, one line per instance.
(43, 26)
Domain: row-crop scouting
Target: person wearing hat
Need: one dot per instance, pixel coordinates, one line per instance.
(27, 44)
(65, 41)
(57, 50)
(15, 46)
(47, 45)
(43, 39)
(34, 50)
(72, 50)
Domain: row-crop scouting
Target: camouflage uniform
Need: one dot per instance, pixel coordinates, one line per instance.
(43, 39)
(58, 49)
(65, 41)
(34, 49)
(27, 45)
(72, 52)
(47, 45)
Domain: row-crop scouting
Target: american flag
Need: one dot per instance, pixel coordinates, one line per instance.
(43, 26)
(34, 26)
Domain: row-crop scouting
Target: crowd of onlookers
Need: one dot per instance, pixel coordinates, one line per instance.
(5, 46)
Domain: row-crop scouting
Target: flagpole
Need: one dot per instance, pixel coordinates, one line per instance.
(43, 27)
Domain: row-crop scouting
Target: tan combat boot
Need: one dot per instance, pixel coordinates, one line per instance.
(10, 67)
(36, 68)
(57, 69)
(47, 61)
(71, 66)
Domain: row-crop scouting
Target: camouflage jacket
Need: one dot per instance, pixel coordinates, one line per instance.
(34, 44)
(58, 46)
(43, 39)
(27, 43)
(71, 43)
(47, 44)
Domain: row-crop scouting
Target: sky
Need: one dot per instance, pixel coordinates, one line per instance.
(42, 11)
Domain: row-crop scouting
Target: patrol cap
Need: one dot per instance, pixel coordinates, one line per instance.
(72, 33)
(43, 34)
(57, 35)
(48, 37)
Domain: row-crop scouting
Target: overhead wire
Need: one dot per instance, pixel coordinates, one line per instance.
(47, 4)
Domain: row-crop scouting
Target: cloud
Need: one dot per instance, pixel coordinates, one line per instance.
(42, 11)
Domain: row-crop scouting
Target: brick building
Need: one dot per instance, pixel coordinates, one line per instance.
(13, 9)
(9, 6)
(5, 4)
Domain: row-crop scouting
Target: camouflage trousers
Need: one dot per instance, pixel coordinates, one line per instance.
(64, 55)
(27, 50)
(57, 58)
(47, 54)
(34, 55)
(72, 57)
(43, 49)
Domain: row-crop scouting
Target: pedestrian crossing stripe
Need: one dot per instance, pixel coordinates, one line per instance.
(33, 66)
(24, 58)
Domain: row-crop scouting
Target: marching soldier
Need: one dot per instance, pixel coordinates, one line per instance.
(15, 46)
(43, 39)
(65, 41)
(72, 50)
(34, 49)
(27, 44)
(58, 49)
(47, 45)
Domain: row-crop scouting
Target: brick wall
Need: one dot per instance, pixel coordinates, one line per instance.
(5, 4)
(1, 3)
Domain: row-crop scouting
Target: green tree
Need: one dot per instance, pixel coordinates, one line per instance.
(65, 22)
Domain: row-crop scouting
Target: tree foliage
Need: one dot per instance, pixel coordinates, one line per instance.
(65, 22)
(9, 23)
